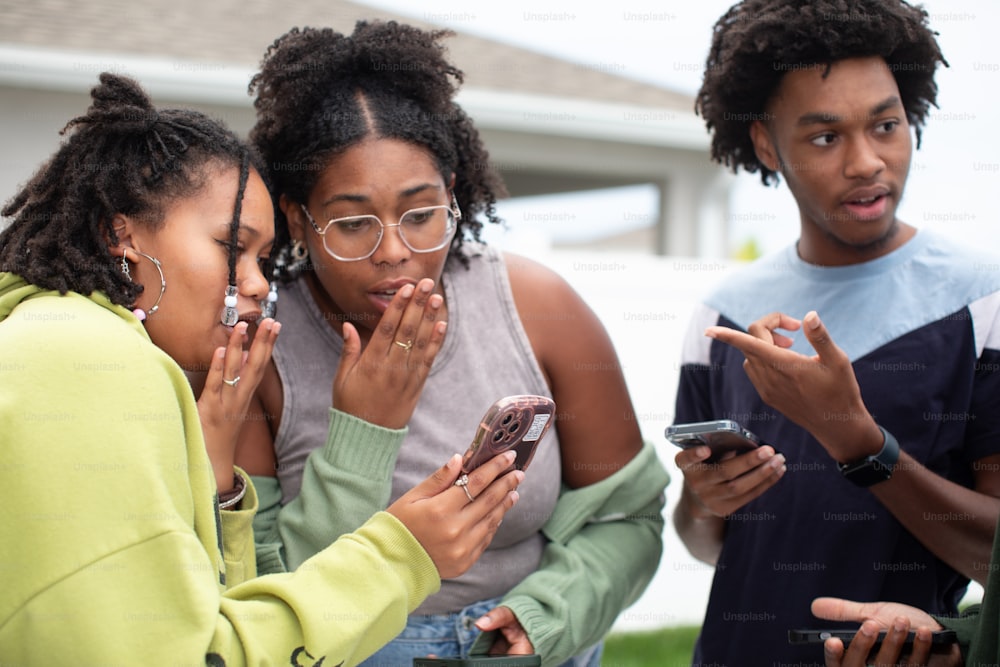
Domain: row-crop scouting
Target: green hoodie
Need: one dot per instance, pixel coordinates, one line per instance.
(112, 549)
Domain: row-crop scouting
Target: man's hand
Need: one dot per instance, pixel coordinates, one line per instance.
(819, 393)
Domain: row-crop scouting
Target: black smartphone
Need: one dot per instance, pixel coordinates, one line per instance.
(721, 436)
(481, 661)
(513, 422)
(940, 637)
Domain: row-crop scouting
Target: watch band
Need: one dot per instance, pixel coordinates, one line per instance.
(875, 468)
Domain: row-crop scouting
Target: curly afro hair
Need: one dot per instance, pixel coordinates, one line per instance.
(320, 92)
(122, 157)
(757, 41)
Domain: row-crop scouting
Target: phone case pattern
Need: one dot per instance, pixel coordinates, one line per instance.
(518, 422)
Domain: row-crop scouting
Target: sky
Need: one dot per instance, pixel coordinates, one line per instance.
(665, 43)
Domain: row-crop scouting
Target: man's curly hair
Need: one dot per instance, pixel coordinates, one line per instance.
(320, 92)
(757, 42)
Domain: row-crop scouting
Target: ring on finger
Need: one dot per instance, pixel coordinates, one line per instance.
(232, 383)
(463, 482)
(406, 346)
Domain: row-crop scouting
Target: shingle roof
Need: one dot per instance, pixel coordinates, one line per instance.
(238, 32)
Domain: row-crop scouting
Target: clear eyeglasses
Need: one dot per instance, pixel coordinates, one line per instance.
(357, 237)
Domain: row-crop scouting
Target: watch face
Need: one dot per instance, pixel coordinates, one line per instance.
(867, 472)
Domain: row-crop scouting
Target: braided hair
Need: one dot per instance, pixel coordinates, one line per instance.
(122, 157)
(757, 41)
(320, 92)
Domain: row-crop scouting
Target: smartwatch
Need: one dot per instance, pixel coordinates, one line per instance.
(875, 468)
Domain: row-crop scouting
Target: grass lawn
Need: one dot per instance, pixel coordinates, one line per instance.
(669, 647)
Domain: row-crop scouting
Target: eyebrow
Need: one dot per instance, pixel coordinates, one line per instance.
(361, 199)
(823, 118)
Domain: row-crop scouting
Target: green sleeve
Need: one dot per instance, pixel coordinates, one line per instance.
(978, 627)
(344, 483)
(158, 601)
(964, 625)
(237, 537)
(605, 545)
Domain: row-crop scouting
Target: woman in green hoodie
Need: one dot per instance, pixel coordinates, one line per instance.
(133, 255)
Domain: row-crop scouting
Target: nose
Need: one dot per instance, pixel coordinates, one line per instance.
(863, 159)
(253, 283)
(391, 249)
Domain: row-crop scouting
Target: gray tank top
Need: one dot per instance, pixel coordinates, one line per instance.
(467, 376)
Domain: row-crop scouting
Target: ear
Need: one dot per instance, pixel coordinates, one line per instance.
(125, 232)
(451, 181)
(296, 218)
(763, 146)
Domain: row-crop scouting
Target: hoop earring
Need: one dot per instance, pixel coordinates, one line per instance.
(139, 312)
(299, 251)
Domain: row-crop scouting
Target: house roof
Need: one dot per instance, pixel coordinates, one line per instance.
(237, 32)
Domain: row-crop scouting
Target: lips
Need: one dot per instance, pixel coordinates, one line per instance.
(382, 293)
(868, 203)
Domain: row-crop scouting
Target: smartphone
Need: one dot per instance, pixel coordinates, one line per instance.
(721, 435)
(514, 422)
(482, 661)
(940, 637)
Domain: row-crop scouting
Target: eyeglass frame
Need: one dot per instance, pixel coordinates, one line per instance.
(456, 214)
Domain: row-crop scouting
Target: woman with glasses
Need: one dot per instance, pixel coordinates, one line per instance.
(134, 252)
(382, 184)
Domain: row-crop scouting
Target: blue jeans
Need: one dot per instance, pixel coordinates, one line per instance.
(447, 635)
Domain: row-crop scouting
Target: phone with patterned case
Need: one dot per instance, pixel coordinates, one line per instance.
(513, 422)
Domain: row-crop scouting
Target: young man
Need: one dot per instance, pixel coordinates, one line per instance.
(882, 473)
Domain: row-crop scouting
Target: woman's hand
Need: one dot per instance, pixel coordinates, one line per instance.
(383, 383)
(511, 638)
(453, 529)
(232, 378)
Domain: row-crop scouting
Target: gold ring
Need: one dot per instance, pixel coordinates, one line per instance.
(463, 482)
(406, 346)
(232, 383)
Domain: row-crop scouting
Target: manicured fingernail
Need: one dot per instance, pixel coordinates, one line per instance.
(509, 456)
(277, 328)
(426, 286)
(406, 292)
(812, 319)
(709, 333)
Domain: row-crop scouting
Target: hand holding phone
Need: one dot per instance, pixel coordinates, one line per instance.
(721, 436)
(514, 422)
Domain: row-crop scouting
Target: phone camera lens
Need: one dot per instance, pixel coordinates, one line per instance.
(506, 419)
(498, 436)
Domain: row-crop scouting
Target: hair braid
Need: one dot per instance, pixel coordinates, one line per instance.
(121, 157)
